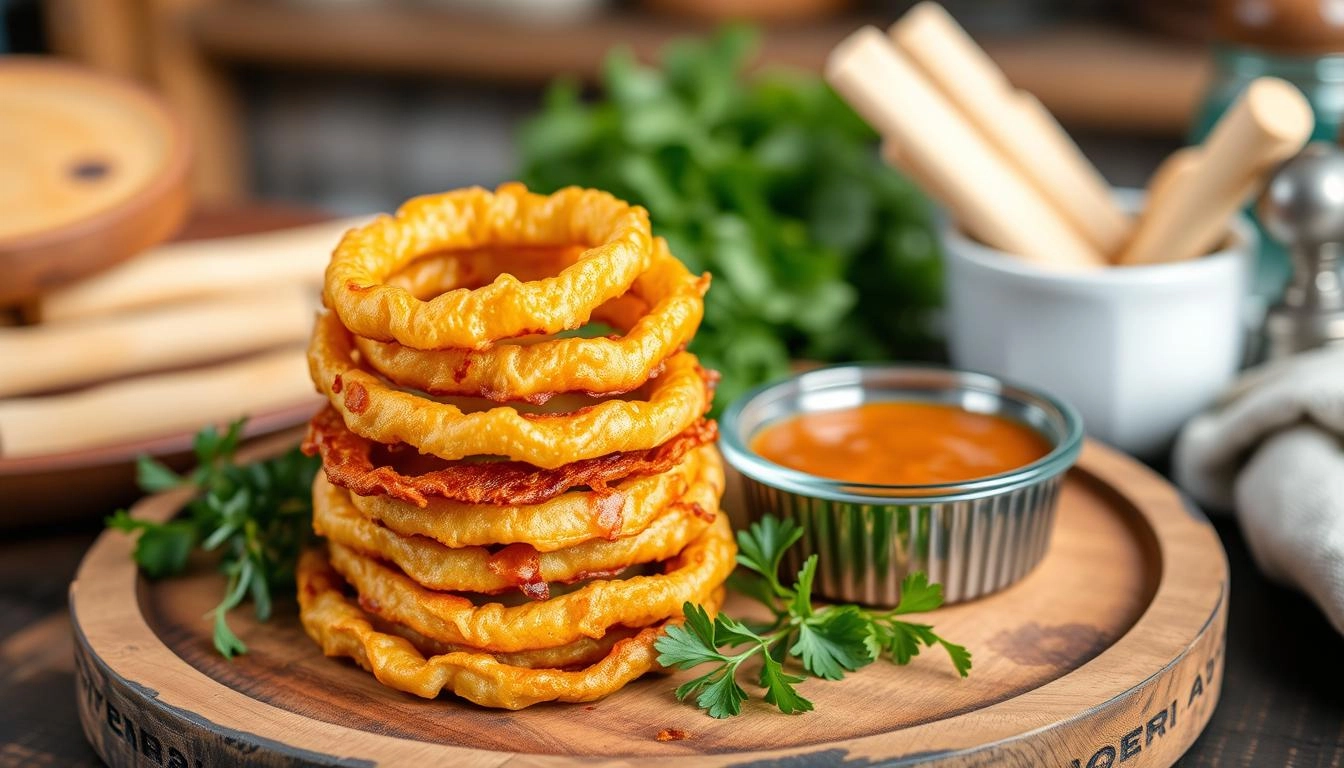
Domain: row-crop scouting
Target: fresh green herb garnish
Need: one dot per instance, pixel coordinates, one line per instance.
(818, 250)
(255, 516)
(827, 641)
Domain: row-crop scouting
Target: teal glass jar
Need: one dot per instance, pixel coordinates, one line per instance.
(1301, 41)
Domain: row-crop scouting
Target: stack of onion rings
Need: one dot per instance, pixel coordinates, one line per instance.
(535, 372)
(512, 512)
(488, 679)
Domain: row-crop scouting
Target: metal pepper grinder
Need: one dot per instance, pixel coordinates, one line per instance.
(1303, 208)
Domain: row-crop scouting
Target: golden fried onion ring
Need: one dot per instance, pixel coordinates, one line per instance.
(520, 565)
(586, 612)
(580, 653)
(342, 629)
(536, 372)
(566, 521)
(347, 460)
(373, 409)
(432, 274)
(619, 248)
(429, 276)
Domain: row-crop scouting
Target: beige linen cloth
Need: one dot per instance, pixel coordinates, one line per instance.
(1272, 449)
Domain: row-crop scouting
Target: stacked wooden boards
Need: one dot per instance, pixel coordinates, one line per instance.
(1110, 649)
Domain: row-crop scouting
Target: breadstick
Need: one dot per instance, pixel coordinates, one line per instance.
(199, 268)
(987, 195)
(1191, 203)
(891, 154)
(1014, 122)
(38, 358)
(154, 405)
(1171, 173)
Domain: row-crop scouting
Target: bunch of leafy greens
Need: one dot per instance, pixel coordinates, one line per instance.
(828, 640)
(256, 516)
(771, 183)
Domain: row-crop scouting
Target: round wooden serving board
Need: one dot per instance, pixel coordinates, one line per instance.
(95, 171)
(1110, 650)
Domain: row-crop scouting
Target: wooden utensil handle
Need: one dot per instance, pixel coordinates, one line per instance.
(994, 202)
(199, 268)
(48, 357)
(892, 155)
(1014, 122)
(1191, 202)
(153, 405)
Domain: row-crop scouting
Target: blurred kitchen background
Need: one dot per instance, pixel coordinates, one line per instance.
(354, 105)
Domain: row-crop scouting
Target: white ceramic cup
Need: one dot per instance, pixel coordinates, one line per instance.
(1137, 350)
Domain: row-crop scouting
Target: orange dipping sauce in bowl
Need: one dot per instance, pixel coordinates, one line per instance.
(900, 443)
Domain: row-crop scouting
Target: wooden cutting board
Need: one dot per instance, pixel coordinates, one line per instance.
(95, 170)
(1111, 650)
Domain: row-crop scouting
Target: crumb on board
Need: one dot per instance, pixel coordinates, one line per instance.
(673, 734)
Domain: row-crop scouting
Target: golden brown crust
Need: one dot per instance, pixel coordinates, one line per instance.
(586, 612)
(432, 274)
(535, 372)
(347, 459)
(616, 234)
(342, 629)
(373, 409)
(471, 448)
(565, 521)
(521, 565)
(579, 653)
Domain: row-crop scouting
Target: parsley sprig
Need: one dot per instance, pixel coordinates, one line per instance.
(256, 517)
(827, 641)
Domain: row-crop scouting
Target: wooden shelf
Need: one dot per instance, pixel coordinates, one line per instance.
(1115, 80)
(410, 40)
(1095, 78)
(1090, 77)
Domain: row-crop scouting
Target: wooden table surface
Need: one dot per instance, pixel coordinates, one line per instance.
(1283, 692)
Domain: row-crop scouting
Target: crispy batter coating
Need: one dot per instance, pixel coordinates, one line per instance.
(342, 629)
(536, 372)
(522, 566)
(430, 275)
(586, 612)
(372, 408)
(565, 521)
(347, 460)
(473, 446)
(616, 234)
(580, 653)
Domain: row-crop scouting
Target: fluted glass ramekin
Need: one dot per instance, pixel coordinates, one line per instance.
(973, 537)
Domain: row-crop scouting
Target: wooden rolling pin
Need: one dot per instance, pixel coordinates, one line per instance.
(995, 203)
(154, 405)
(199, 268)
(1198, 190)
(1014, 122)
(39, 358)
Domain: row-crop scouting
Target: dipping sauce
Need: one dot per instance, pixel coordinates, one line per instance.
(900, 443)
